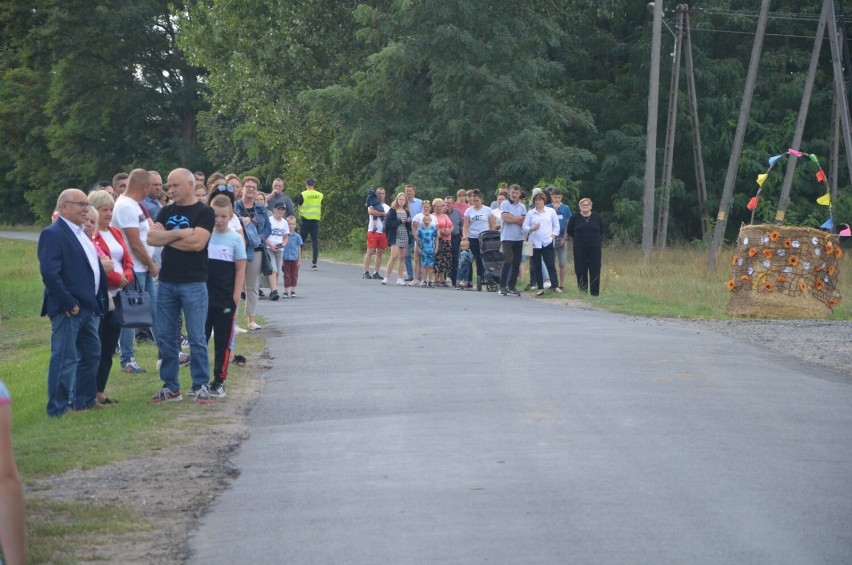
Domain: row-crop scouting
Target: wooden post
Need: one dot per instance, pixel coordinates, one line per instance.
(784, 199)
(840, 87)
(671, 123)
(736, 150)
(698, 152)
(651, 135)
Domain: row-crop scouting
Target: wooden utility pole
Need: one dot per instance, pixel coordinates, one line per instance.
(784, 199)
(834, 151)
(698, 152)
(671, 124)
(839, 85)
(736, 150)
(651, 135)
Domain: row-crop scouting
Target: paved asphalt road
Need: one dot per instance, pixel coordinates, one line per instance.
(25, 235)
(408, 425)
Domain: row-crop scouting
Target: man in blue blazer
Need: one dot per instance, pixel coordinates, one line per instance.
(75, 297)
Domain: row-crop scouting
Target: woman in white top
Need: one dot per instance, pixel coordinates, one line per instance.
(477, 219)
(109, 242)
(541, 225)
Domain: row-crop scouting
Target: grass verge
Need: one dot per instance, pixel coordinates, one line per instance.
(44, 447)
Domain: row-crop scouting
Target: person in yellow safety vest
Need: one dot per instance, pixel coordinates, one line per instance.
(310, 209)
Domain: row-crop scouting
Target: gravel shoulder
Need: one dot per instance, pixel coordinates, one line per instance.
(172, 488)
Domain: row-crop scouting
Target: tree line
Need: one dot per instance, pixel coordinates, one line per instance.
(445, 94)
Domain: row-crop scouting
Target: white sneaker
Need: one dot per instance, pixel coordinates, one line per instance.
(240, 330)
(252, 326)
(385, 280)
(400, 282)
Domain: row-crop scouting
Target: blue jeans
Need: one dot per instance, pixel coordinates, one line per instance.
(128, 335)
(75, 353)
(192, 299)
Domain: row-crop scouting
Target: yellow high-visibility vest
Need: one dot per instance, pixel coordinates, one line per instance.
(311, 208)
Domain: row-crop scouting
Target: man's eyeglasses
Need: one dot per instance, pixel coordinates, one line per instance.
(224, 188)
(81, 203)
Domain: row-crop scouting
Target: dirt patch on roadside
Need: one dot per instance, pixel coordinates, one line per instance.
(168, 490)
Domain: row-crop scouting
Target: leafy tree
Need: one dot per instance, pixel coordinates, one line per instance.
(90, 90)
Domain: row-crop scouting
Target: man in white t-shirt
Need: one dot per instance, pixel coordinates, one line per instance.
(376, 240)
(128, 216)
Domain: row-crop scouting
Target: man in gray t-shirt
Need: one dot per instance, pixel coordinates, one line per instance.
(512, 240)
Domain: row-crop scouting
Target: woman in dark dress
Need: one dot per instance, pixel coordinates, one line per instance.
(586, 230)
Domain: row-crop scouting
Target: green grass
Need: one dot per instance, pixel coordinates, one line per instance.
(61, 532)
(675, 285)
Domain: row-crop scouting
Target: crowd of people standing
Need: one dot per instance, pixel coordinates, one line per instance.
(437, 243)
(195, 249)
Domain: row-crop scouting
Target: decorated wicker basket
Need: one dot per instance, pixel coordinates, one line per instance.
(784, 272)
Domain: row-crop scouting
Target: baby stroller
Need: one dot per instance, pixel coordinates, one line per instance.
(492, 259)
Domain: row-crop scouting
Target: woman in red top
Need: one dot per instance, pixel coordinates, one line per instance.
(109, 243)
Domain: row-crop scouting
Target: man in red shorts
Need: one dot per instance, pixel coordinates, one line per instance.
(376, 240)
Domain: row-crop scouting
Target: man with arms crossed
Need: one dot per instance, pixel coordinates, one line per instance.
(183, 229)
(512, 241)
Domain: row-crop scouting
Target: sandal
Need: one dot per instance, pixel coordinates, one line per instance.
(540, 293)
(107, 402)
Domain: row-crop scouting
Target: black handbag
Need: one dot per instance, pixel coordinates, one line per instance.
(265, 262)
(133, 307)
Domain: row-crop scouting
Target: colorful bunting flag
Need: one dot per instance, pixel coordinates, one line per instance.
(828, 225)
(814, 159)
(820, 176)
(752, 204)
(773, 160)
(761, 178)
(845, 232)
(796, 153)
(825, 199)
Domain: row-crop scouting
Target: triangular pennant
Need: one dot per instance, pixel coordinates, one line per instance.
(825, 199)
(796, 153)
(752, 204)
(829, 224)
(773, 160)
(845, 232)
(820, 176)
(814, 158)
(761, 178)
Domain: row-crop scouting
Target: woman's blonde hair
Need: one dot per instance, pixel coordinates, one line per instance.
(437, 202)
(589, 200)
(395, 204)
(99, 198)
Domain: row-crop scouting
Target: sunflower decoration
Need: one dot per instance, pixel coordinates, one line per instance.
(752, 252)
(793, 260)
(829, 247)
(731, 284)
(780, 279)
(788, 243)
(833, 302)
(774, 236)
(734, 261)
(768, 286)
(767, 253)
(802, 286)
(838, 252)
(819, 285)
(745, 278)
(832, 270)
